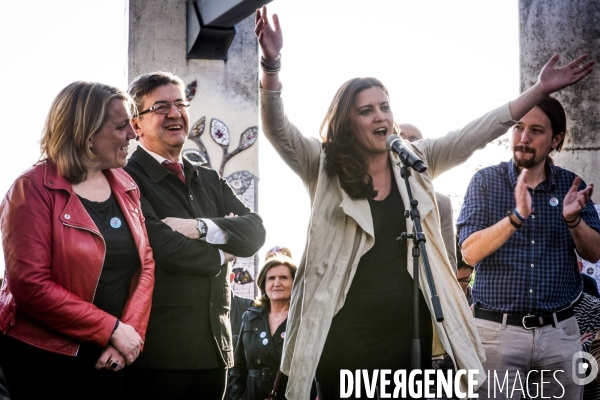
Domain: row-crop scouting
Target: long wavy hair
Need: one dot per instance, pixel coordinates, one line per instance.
(345, 157)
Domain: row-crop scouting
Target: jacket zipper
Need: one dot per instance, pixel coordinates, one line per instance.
(101, 268)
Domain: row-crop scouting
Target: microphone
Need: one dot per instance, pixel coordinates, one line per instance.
(408, 158)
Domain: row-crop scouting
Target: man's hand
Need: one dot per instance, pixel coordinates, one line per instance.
(187, 227)
(586, 336)
(127, 341)
(109, 358)
(522, 195)
(575, 201)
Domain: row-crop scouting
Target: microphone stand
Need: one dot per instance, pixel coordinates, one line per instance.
(418, 240)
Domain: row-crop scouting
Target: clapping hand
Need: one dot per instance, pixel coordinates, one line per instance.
(575, 200)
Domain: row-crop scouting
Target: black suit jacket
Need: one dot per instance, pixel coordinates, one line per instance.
(189, 323)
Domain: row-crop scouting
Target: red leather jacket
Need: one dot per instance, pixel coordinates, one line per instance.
(54, 255)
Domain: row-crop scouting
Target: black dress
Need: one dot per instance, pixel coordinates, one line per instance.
(257, 357)
(374, 328)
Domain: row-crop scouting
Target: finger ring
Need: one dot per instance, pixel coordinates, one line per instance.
(114, 365)
(580, 67)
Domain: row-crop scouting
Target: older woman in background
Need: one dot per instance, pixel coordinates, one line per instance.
(75, 301)
(258, 351)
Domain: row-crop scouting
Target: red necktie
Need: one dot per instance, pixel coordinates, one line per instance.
(175, 168)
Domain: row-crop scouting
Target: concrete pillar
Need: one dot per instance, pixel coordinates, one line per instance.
(569, 28)
(224, 110)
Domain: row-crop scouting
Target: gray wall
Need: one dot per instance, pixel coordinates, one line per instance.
(569, 28)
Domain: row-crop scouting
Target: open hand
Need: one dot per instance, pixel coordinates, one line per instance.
(269, 39)
(522, 195)
(552, 79)
(575, 201)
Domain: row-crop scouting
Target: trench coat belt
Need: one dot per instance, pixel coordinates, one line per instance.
(266, 374)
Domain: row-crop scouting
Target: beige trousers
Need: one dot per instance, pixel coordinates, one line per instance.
(536, 363)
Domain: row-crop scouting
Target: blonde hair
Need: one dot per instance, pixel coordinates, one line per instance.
(77, 112)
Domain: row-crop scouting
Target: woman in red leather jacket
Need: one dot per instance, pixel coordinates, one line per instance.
(76, 297)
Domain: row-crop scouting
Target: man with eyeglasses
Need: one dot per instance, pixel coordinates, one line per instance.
(196, 225)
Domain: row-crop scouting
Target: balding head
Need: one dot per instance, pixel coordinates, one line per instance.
(410, 132)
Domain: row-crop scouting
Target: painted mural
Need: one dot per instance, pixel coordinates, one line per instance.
(242, 182)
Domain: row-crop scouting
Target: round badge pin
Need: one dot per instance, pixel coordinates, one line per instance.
(263, 334)
(115, 222)
(265, 341)
(553, 202)
(283, 335)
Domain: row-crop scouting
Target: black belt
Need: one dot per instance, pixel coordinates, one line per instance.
(529, 321)
(265, 374)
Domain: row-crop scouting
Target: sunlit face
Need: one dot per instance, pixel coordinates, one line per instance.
(371, 120)
(163, 134)
(278, 283)
(463, 276)
(111, 142)
(532, 139)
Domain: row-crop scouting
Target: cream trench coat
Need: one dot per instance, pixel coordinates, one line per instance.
(340, 231)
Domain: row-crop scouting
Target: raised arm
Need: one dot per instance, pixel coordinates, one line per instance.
(551, 79)
(270, 40)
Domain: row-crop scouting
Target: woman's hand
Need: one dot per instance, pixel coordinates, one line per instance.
(552, 79)
(270, 41)
(127, 341)
(111, 359)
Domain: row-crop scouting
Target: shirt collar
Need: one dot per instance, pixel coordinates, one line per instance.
(160, 158)
(548, 184)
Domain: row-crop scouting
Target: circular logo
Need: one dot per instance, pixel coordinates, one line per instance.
(115, 222)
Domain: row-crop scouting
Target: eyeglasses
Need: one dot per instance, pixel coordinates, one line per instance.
(466, 279)
(164, 107)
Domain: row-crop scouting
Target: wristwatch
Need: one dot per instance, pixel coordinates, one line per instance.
(202, 228)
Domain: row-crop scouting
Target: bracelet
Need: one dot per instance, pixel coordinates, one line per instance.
(519, 217)
(514, 221)
(574, 222)
(116, 326)
(268, 68)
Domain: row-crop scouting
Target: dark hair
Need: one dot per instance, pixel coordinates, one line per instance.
(345, 157)
(77, 112)
(557, 116)
(144, 84)
(261, 280)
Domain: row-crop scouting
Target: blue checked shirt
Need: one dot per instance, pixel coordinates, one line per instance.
(535, 271)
